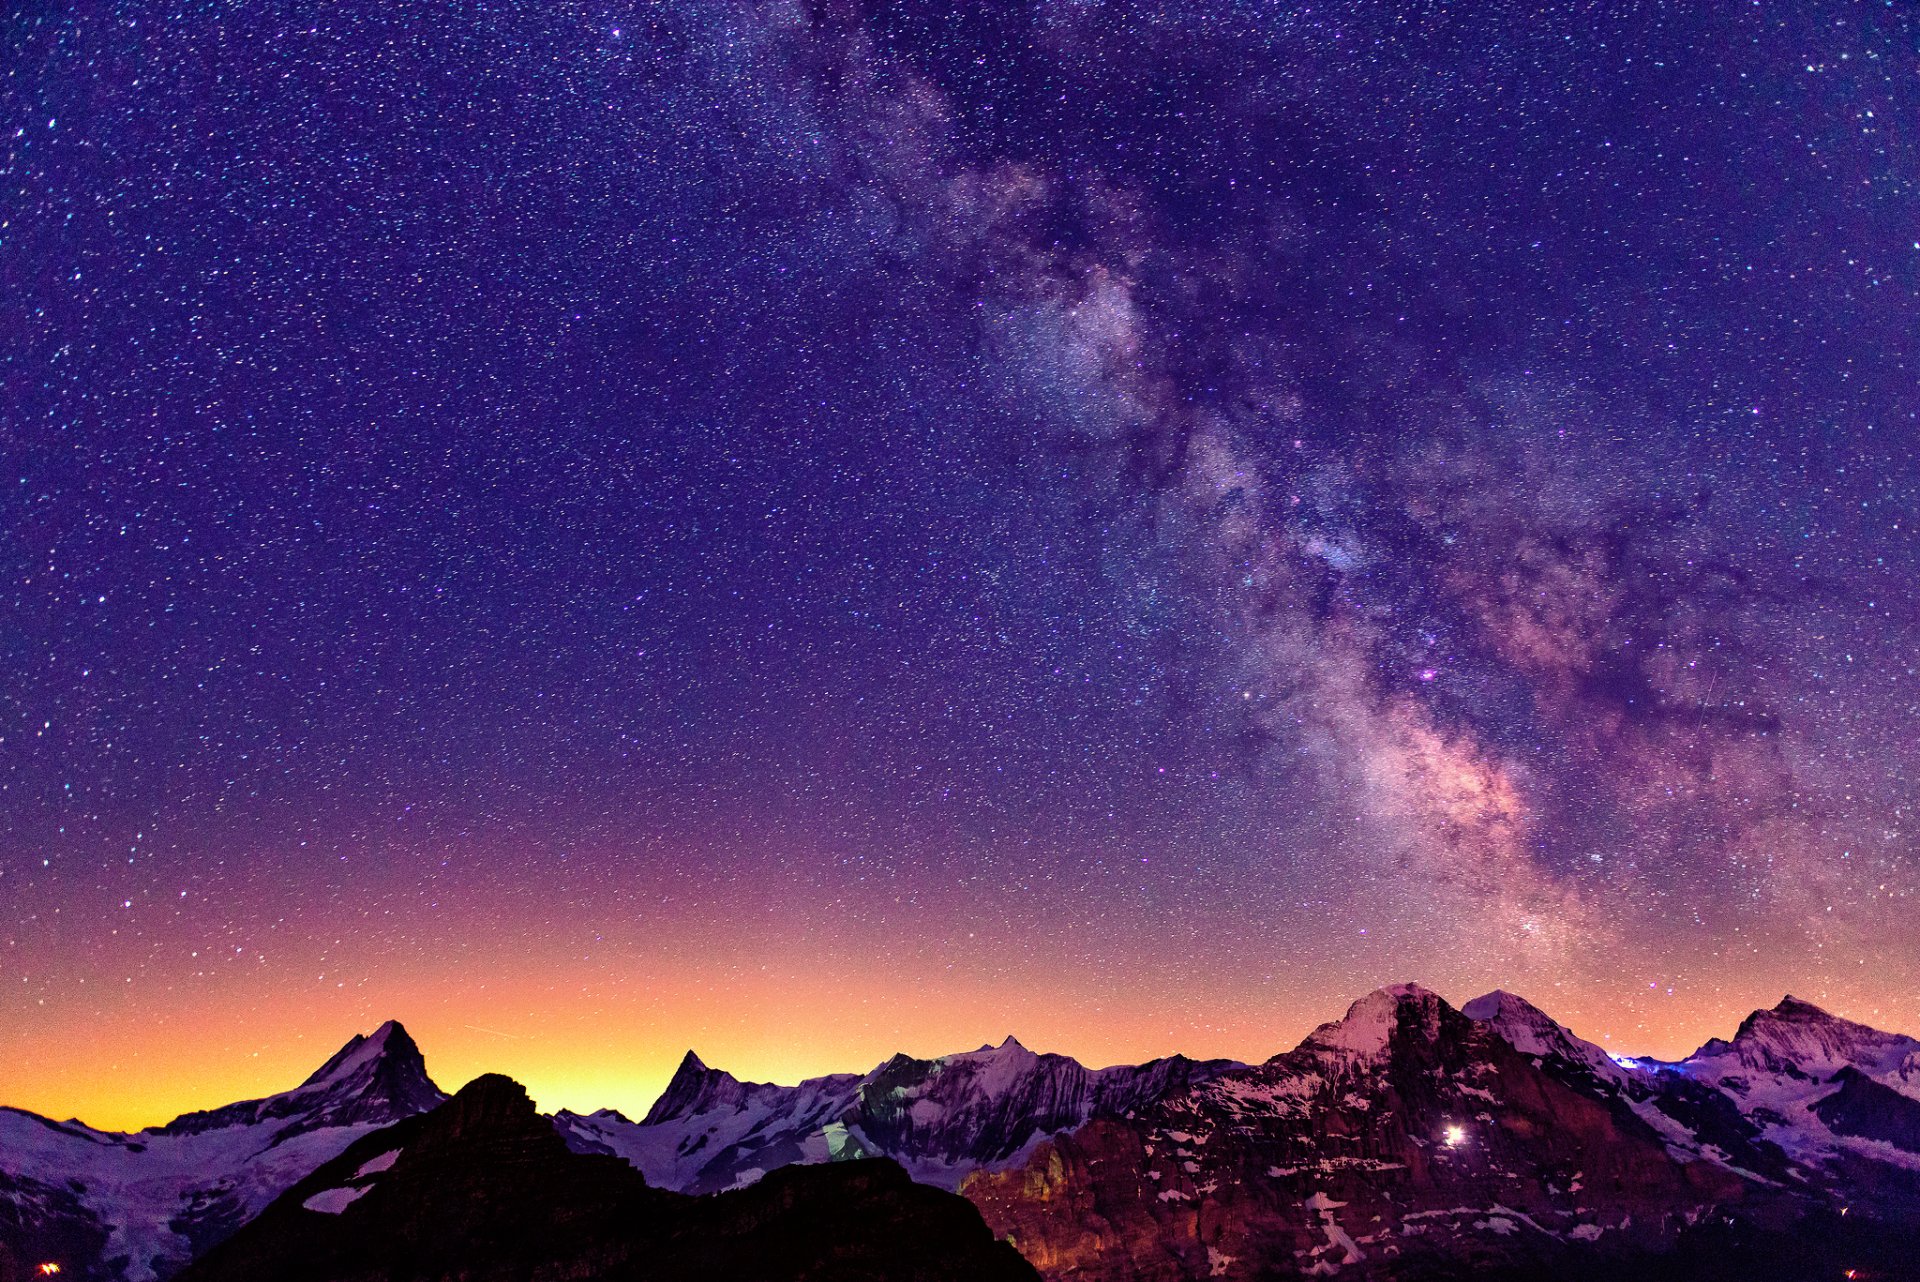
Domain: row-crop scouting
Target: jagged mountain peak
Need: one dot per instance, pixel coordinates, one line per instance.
(1793, 1030)
(1009, 1048)
(136, 1207)
(694, 1087)
(482, 1188)
(1789, 1009)
(1795, 1045)
(374, 1078)
(942, 1117)
(390, 1039)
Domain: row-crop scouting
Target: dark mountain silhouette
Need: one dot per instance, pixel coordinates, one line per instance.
(482, 1189)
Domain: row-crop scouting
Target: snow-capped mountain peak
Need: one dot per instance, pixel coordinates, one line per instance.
(697, 1089)
(994, 1068)
(1817, 1085)
(390, 1037)
(1371, 1022)
(379, 1078)
(1531, 1031)
(941, 1118)
(1797, 1039)
(1008, 1045)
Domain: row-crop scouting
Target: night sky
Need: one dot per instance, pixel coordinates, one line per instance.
(813, 530)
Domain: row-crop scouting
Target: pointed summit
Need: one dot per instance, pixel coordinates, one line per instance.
(381, 1078)
(1799, 1040)
(695, 1087)
(1007, 1043)
(484, 1188)
(391, 1038)
(372, 1079)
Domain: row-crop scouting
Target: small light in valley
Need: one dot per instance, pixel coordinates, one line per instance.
(1456, 1135)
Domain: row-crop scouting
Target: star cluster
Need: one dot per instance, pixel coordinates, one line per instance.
(815, 530)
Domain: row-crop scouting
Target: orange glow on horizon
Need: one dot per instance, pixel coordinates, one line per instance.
(610, 1044)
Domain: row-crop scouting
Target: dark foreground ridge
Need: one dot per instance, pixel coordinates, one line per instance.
(483, 1189)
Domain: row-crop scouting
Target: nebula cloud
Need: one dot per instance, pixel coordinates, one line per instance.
(1498, 622)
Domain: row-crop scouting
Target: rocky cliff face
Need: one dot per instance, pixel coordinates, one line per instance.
(483, 1189)
(1403, 1137)
(1866, 1109)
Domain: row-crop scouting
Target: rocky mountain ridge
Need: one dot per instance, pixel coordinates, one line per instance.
(940, 1118)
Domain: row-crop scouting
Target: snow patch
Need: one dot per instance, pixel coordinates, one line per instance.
(1337, 1237)
(373, 1166)
(334, 1201)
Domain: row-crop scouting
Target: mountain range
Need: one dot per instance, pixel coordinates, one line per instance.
(1407, 1139)
(942, 1119)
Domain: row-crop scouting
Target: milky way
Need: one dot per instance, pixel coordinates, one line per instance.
(819, 530)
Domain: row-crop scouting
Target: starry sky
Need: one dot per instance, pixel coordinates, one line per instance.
(821, 528)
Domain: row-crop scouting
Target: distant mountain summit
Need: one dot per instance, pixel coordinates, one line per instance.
(1798, 1040)
(139, 1206)
(1531, 1031)
(1840, 1099)
(372, 1079)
